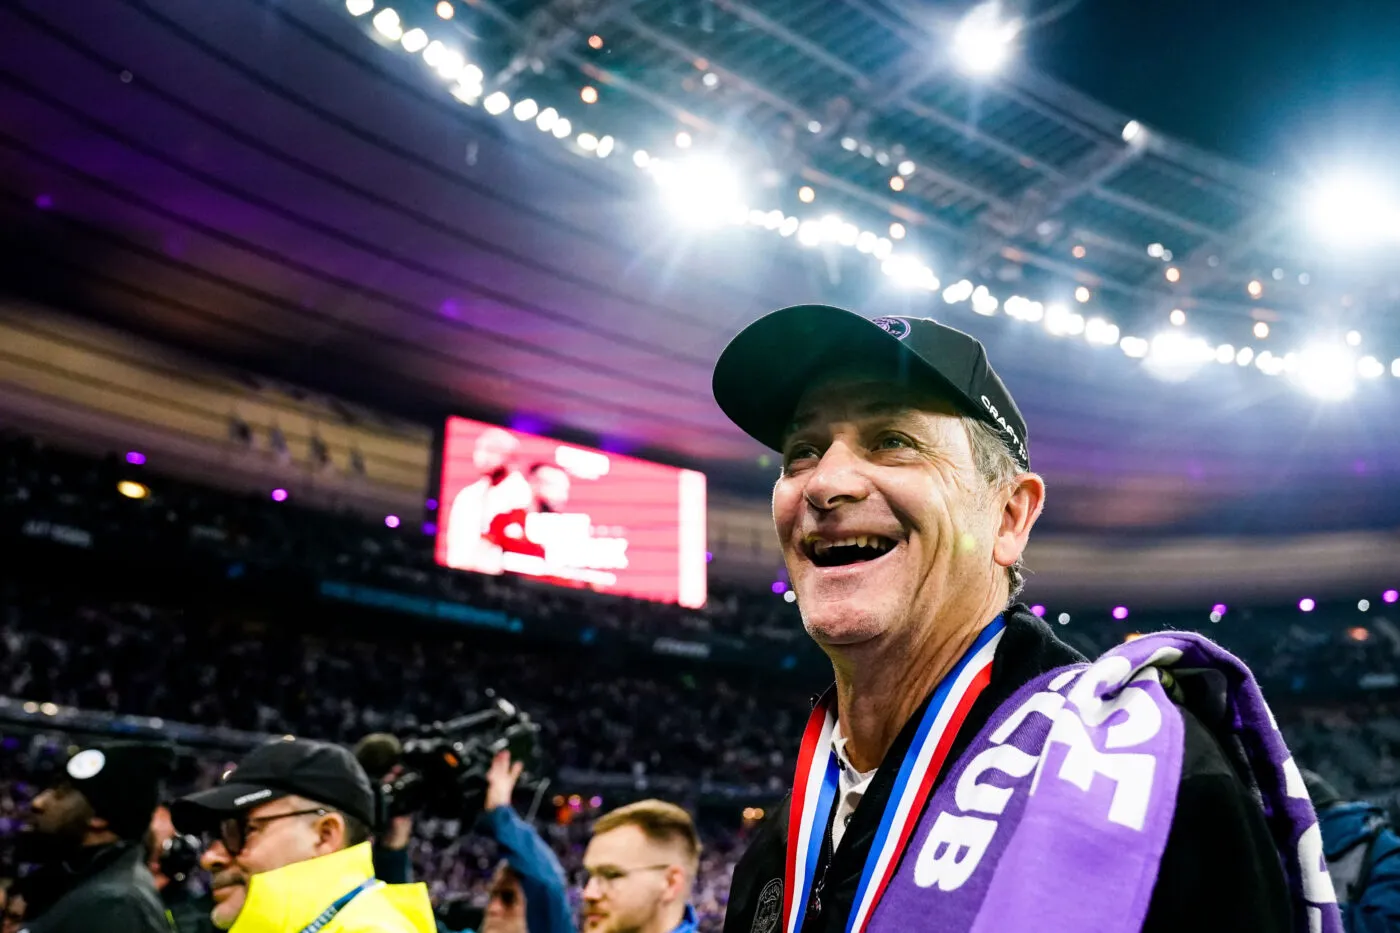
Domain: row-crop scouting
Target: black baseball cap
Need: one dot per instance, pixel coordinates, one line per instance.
(319, 771)
(761, 375)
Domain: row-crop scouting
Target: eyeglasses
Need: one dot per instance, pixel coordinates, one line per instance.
(234, 831)
(608, 875)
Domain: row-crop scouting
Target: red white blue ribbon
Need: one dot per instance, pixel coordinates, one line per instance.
(817, 778)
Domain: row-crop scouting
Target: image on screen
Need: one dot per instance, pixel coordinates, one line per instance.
(512, 502)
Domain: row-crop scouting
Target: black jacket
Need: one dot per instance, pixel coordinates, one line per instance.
(186, 911)
(1220, 871)
(104, 888)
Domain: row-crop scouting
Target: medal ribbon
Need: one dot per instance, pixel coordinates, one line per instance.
(815, 785)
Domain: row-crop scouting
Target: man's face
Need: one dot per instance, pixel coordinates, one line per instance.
(631, 880)
(505, 910)
(269, 843)
(551, 486)
(62, 814)
(880, 511)
(14, 914)
(493, 448)
(162, 831)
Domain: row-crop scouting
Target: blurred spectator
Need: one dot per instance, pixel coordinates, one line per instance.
(527, 893)
(1363, 858)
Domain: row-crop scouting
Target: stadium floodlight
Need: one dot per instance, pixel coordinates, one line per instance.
(546, 119)
(386, 21)
(497, 103)
(958, 291)
(1101, 332)
(451, 64)
(415, 40)
(526, 110)
(563, 128)
(702, 190)
(1174, 356)
(1368, 367)
(359, 7)
(1395, 367)
(1326, 371)
(982, 42)
(1131, 130)
(606, 146)
(1225, 353)
(1353, 211)
(984, 302)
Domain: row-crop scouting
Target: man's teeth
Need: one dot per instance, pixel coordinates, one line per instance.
(868, 541)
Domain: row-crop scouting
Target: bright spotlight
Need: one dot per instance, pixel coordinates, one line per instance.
(1099, 331)
(1082, 294)
(1178, 317)
(472, 74)
(806, 195)
(1326, 371)
(133, 490)
(1307, 604)
(1061, 321)
(1245, 355)
(496, 103)
(1225, 353)
(1261, 330)
(386, 21)
(547, 118)
(984, 302)
(606, 146)
(906, 167)
(1353, 338)
(563, 128)
(1131, 131)
(701, 190)
(1174, 356)
(587, 142)
(415, 40)
(1395, 368)
(1255, 288)
(1353, 211)
(982, 42)
(359, 7)
(446, 10)
(1368, 367)
(1134, 347)
(526, 109)
(589, 95)
(788, 227)
(683, 140)
(897, 231)
(641, 158)
(958, 291)
(1155, 250)
(910, 273)
(809, 233)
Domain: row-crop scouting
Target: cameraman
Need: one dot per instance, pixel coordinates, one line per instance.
(171, 858)
(292, 851)
(528, 891)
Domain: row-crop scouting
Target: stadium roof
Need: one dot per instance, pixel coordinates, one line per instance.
(290, 186)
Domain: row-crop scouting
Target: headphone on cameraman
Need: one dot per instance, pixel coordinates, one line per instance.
(179, 856)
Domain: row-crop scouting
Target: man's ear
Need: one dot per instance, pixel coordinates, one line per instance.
(1018, 517)
(97, 824)
(331, 833)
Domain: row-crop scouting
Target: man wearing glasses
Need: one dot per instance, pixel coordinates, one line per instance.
(641, 865)
(291, 851)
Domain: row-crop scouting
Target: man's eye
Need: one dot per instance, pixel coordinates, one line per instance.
(892, 442)
(801, 452)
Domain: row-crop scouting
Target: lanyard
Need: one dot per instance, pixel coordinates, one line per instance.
(329, 913)
(814, 786)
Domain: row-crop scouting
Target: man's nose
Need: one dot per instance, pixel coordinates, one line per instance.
(839, 478)
(592, 889)
(215, 857)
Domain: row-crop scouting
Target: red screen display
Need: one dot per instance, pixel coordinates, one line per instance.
(512, 502)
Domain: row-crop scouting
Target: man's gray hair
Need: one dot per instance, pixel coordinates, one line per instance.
(998, 468)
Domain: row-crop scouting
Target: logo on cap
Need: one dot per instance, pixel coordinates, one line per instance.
(896, 327)
(249, 798)
(86, 764)
(1018, 447)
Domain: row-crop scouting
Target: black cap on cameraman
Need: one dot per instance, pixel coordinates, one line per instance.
(122, 782)
(761, 375)
(319, 771)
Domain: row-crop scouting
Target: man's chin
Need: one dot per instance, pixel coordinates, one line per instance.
(226, 911)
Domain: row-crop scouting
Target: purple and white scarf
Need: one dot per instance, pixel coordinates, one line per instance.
(1056, 817)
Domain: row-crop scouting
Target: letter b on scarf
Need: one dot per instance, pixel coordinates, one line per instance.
(954, 847)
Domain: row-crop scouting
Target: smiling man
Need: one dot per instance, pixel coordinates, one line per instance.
(291, 851)
(968, 770)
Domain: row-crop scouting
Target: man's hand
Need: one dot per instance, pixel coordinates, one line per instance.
(500, 780)
(398, 834)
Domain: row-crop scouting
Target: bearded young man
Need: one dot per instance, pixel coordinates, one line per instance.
(641, 863)
(968, 771)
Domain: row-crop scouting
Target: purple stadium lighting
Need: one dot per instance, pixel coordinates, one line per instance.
(1391, 596)
(1307, 604)
(1120, 612)
(279, 494)
(709, 556)
(135, 457)
(430, 528)
(43, 202)
(779, 587)
(432, 505)
(1038, 610)
(391, 521)
(1218, 607)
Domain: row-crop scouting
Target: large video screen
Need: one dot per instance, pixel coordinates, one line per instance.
(512, 502)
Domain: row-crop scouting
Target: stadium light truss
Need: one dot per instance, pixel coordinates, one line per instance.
(706, 192)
